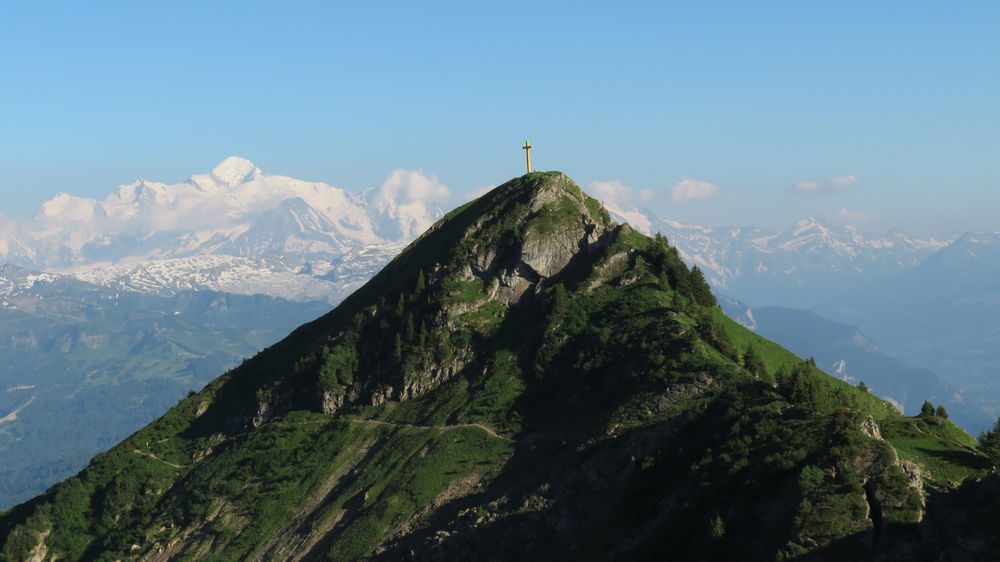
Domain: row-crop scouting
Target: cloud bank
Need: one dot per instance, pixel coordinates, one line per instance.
(832, 185)
(689, 189)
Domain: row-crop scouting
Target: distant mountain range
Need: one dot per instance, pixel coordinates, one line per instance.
(802, 266)
(235, 210)
(155, 289)
(330, 280)
(529, 380)
(82, 366)
(239, 230)
(849, 354)
(944, 314)
(93, 272)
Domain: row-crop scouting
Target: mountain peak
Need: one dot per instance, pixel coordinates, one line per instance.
(70, 207)
(235, 170)
(811, 223)
(522, 353)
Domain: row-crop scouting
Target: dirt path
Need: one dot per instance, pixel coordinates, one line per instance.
(156, 458)
(488, 431)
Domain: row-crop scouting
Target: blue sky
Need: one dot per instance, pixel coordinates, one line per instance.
(889, 108)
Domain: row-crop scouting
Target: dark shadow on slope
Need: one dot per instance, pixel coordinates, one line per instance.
(963, 458)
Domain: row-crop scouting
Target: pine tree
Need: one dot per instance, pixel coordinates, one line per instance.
(421, 284)
(862, 386)
(717, 527)
(927, 409)
(800, 386)
(700, 291)
(397, 349)
(677, 272)
(941, 413)
(400, 306)
(989, 443)
(411, 331)
(753, 363)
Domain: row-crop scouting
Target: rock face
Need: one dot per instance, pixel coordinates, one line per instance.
(553, 226)
(527, 380)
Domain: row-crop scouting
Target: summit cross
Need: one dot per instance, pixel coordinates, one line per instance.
(527, 153)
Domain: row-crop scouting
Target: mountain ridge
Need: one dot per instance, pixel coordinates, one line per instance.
(527, 379)
(799, 266)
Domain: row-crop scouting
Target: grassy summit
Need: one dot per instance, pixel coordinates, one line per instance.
(526, 380)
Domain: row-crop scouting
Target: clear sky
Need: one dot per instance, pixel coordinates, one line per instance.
(884, 113)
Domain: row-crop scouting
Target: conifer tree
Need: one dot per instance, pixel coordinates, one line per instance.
(927, 409)
(400, 306)
(397, 349)
(989, 443)
(700, 291)
(421, 284)
(941, 412)
(411, 331)
(753, 363)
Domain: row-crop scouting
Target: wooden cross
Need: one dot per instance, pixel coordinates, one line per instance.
(527, 153)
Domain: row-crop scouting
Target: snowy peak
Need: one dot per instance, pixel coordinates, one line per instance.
(801, 265)
(234, 171)
(69, 208)
(233, 210)
(812, 236)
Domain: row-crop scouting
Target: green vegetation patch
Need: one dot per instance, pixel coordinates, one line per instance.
(944, 450)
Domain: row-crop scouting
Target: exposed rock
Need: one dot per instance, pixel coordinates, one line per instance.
(871, 429)
(40, 551)
(609, 268)
(332, 401)
(202, 408)
(381, 395)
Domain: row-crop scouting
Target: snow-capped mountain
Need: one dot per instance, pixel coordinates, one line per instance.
(329, 281)
(800, 266)
(942, 314)
(16, 281)
(234, 229)
(234, 210)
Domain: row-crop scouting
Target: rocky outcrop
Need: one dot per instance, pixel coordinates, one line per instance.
(871, 429)
(427, 379)
(522, 244)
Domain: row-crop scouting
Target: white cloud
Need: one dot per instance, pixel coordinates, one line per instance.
(637, 219)
(842, 182)
(853, 216)
(612, 192)
(410, 197)
(645, 195)
(689, 188)
(832, 185)
(412, 186)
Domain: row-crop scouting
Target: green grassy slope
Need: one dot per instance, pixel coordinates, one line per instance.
(527, 380)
